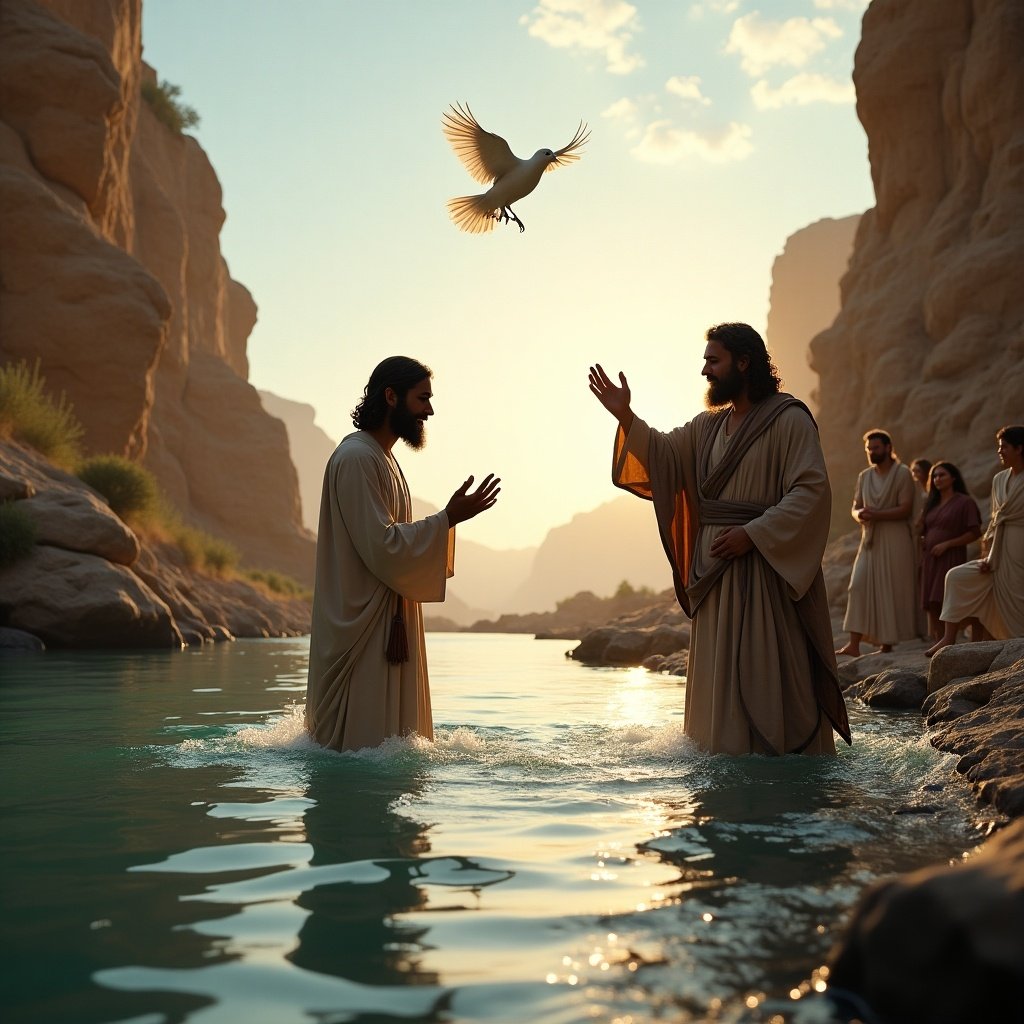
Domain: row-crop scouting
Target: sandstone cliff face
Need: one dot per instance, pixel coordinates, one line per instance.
(804, 298)
(930, 339)
(111, 275)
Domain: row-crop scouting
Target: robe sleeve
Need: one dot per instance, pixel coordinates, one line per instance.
(413, 559)
(791, 536)
(658, 467)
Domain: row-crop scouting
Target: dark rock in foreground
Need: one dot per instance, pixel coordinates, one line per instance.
(944, 945)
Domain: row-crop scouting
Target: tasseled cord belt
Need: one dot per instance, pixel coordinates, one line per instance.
(398, 641)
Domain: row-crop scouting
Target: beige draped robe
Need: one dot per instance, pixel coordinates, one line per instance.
(762, 673)
(368, 553)
(996, 598)
(882, 597)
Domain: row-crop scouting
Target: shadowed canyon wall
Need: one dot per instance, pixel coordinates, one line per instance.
(111, 276)
(805, 299)
(929, 342)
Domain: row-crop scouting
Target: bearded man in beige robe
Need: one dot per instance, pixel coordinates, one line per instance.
(990, 590)
(881, 600)
(742, 501)
(374, 566)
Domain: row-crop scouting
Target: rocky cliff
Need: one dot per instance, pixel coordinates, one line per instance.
(804, 298)
(929, 342)
(111, 276)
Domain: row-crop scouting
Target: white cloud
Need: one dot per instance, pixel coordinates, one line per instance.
(603, 26)
(841, 5)
(698, 10)
(664, 143)
(687, 88)
(620, 110)
(802, 89)
(762, 44)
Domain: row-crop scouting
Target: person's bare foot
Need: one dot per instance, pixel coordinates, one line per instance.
(937, 646)
(851, 650)
(884, 649)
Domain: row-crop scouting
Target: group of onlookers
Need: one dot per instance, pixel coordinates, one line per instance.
(912, 574)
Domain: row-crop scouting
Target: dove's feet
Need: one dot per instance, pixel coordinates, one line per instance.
(507, 214)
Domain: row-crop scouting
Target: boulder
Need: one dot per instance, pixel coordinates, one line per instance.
(894, 688)
(944, 945)
(962, 660)
(72, 599)
(77, 520)
(17, 640)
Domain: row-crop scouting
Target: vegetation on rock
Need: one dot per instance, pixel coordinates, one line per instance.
(30, 415)
(17, 533)
(130, 490)
(163, 100)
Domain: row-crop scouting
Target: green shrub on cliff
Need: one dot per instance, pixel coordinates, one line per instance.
(278, 582)
(17, 533)
(30, 415)
(201, 551)
(163, 100)
(129, 488)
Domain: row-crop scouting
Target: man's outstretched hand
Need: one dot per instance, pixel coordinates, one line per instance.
(613, 397)
(465, 504)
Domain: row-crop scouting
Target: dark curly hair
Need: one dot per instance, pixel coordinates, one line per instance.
(740, 340)
(397, 372)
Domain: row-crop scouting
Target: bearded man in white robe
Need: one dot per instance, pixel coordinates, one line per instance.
(881, 603)
(742, 502)
(375, 566)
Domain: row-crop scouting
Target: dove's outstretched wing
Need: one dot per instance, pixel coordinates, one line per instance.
(567, 154)
(485, 155)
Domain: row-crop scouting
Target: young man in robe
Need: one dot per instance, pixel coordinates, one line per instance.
(882, 601)
(742, 502)
(990, 590)
(374, 566)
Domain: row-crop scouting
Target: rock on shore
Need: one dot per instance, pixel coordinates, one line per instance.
(90, 582)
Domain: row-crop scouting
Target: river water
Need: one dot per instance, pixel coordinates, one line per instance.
(175, 849)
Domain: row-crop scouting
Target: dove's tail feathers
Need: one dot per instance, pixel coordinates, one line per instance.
(471, 213)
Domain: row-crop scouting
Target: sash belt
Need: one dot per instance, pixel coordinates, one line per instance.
(729, 513)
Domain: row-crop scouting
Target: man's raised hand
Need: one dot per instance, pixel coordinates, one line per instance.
(465, 504)
(614, 398)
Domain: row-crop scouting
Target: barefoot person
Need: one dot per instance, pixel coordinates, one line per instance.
(990, 590)
(880, 601)
(374, 565)
(742, 502)
(950, 522)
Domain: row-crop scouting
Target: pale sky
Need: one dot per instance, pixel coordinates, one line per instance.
(718, 129)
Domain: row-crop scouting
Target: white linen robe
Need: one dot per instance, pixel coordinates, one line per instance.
(368, 551)
(996, 598)
(882, 598)
(762, 673)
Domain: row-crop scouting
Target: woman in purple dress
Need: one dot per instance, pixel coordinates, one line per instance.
(950, 522)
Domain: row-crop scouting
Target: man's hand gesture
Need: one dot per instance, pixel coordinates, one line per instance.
(465, 504)
(614, 398)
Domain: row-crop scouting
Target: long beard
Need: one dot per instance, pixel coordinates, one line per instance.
(407, 427)
(877, 458)
(721, 392)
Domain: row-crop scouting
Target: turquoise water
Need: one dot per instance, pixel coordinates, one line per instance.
(175, 849)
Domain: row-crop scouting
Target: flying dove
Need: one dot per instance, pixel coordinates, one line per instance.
(489, 160)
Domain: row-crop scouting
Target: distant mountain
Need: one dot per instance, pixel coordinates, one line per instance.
(595, 551)
(310, 450)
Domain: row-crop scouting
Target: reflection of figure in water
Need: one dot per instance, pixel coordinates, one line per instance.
(358, 930)
(742, 501)
(367, 657)
(350, 931)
